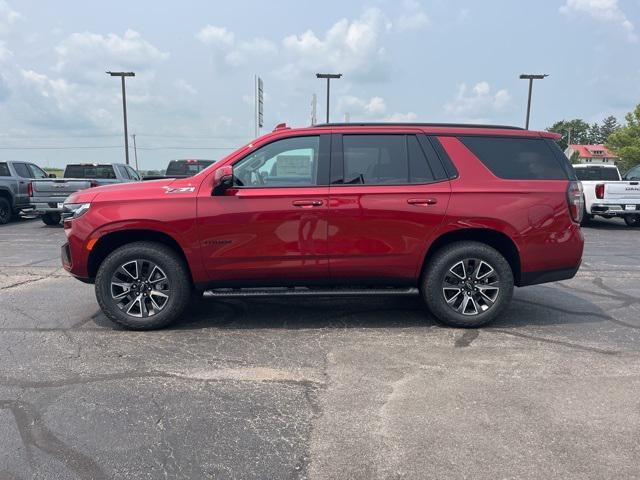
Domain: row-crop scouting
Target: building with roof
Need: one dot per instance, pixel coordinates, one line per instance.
(591, 154)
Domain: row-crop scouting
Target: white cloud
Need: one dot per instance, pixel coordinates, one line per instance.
(5, 53)
(358, 107)
(349, 47)
(8, 16)
(477, 103)
(212, 35)
(183, 86)
(413, 17)
(93, 50)
(604, 11)
(235, 53)
(402, 117)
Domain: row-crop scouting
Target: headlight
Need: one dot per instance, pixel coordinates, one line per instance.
(74, 210)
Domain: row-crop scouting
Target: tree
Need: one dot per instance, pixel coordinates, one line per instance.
(609, 126)
(577, 130)
(625, 141)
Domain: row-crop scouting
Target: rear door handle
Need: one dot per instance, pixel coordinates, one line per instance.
(307, 203)
(422, 201)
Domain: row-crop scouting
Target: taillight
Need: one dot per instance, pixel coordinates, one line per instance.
(30, 189)
(600, 190)
(575, 201)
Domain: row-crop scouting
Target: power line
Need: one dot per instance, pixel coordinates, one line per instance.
(77, 147)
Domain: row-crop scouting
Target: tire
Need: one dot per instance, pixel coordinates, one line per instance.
(439, 284)
(6, 211)
(632, 220)
(51, 219)
(126, 305)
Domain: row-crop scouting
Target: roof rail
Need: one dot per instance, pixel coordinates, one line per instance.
(413, 124)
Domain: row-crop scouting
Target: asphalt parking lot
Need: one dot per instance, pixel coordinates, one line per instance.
(360, 388)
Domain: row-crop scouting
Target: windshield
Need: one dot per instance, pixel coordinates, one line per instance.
(597, 173)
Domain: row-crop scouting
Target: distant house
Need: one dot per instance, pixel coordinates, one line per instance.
(591, 154)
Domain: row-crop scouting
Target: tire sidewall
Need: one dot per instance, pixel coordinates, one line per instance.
(168, 261)
(5, 206)
(441, 263)
(632, 221)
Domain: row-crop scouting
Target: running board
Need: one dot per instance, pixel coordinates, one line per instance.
(308, 292)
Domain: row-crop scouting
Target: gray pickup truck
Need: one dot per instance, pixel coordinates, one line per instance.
(15, 178)
(47, 196)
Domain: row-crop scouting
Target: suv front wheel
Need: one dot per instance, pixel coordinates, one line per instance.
(467, 284)
(143, 286)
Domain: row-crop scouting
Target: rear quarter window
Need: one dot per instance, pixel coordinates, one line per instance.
(4, 170)
(516, 158)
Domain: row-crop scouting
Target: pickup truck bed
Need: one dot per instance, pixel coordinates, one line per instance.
(48, 195)
(606, 195)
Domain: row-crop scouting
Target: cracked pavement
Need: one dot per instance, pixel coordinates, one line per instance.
(321, 388)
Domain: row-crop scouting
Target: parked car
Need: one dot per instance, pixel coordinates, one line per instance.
(460, 214)
(633, 174)
(14, 184)
(48, 196)
(182, 169)
(607, 195)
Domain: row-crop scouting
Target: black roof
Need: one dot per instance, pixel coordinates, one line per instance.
(413, 124)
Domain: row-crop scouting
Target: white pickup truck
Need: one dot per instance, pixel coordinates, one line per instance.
(607, 195)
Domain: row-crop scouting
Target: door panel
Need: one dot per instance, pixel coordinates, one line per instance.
(265, 236)
(381, 232)
(270, 228)
(385, 203)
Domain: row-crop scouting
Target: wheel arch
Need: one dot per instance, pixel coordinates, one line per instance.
(111, 241)
(495, 239)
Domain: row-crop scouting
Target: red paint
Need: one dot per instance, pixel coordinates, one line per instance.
(337, 232)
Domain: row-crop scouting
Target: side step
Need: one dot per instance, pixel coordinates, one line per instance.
(308, 292)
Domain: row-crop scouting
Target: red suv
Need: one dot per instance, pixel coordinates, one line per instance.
(457, 213)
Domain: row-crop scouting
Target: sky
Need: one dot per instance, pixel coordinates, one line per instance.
(195, 62)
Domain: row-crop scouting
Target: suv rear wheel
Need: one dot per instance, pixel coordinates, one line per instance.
(143, 286)
(467, 284)
(632, 220)
(5, 211)
(51, 218)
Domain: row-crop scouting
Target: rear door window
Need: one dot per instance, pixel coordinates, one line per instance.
(22, 170)
(384, 160)
(4, 170)
(516, 158)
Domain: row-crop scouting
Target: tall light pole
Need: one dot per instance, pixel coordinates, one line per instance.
(122, 75)
(328, 76)
(531, 78)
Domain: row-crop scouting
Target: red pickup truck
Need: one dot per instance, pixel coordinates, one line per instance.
(459, 214)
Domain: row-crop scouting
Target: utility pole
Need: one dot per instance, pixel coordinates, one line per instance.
(328, 76)
(314, 109)
(135, 151)
(122, 76)
(259, 104)
(531, 78)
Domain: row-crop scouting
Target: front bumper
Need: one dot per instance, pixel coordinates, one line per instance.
(615, 209)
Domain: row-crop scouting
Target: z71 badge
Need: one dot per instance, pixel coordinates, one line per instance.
(179, 189)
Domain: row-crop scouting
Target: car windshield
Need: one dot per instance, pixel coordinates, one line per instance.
(597, 173)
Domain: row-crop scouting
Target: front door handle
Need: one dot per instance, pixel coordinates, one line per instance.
(307, 203)
(422, 201)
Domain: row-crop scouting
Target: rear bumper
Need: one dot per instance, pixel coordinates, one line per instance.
(48, 206)
(615, 209)
(546, 276)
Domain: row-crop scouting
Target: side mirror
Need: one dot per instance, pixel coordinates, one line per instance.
(222, 180)
(53, 175)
